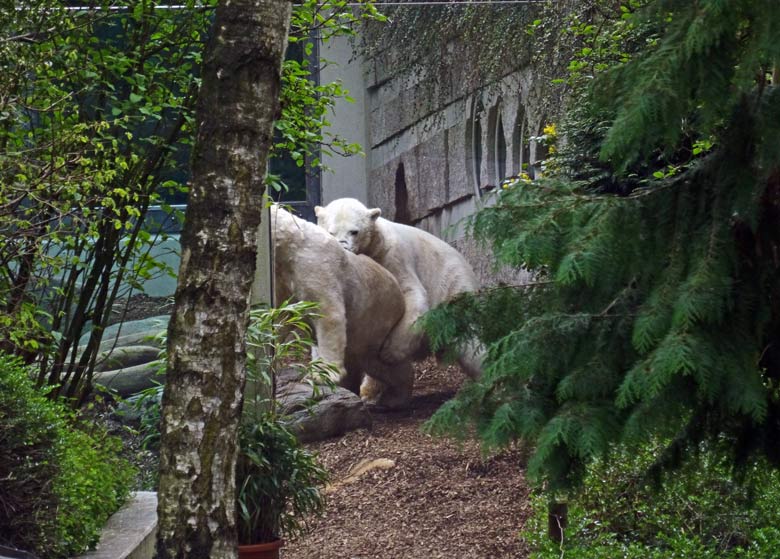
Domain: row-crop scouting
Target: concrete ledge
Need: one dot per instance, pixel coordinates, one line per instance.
(130, 532)
(13, 553)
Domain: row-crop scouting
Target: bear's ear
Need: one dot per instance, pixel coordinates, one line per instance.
(374, 213)
(318, 210)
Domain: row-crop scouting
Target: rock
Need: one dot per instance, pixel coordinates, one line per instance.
(128, 361)
(328, 413)
(124, 357)
(332, 412)
(147, 327)
(130, 380)
(136, 338)
(337, 413)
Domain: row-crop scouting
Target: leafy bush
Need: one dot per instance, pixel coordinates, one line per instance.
(58, 483)
(654, 307)
(278, 481)
(148, 404)
(702, 512)
(28, 434)
(93, 482)
(86, 148)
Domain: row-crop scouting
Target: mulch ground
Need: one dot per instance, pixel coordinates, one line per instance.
(399, 493)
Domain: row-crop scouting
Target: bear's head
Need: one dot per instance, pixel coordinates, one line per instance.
(350, 222)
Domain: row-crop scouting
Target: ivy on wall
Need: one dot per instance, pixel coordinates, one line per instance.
(491, 40)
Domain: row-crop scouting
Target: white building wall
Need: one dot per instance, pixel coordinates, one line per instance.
(348, 175)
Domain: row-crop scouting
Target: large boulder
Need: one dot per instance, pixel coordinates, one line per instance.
(129, 357)
(133, 331)
(127, 381)
(124, 357)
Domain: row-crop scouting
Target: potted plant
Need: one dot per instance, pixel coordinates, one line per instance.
(278, 481)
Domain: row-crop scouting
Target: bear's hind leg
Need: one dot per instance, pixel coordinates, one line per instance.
(391, 388)
(330, 330)
(405, 341)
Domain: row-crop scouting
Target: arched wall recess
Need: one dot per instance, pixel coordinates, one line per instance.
(539, 151)
(521, 149)
(402, 213)
(499, 159)
(474, 144)
(493, 124)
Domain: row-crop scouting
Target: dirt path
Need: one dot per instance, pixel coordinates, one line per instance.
(419, 497)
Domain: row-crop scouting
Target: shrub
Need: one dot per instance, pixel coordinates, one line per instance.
(702, 512)
(29, 424)
(279, 337)
(93, 482)
(58, 482)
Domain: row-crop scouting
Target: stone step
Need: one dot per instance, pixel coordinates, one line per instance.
(130, 532)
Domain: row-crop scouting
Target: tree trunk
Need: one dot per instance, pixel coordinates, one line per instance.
(206, 347)
(557, 520)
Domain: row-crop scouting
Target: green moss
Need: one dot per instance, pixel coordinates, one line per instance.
(489, 41)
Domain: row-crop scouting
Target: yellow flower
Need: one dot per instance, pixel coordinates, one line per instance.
(549, 130)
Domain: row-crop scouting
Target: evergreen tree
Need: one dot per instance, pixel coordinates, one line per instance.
(656, 310)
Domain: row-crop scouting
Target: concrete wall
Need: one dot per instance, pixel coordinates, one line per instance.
(436, 143)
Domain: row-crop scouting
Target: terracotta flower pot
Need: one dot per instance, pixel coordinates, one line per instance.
(260, 550)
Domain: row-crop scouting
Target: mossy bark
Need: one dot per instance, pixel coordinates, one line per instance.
(206, 350)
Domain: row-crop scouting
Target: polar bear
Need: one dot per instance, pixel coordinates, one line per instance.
(429, 270)
(309, 265)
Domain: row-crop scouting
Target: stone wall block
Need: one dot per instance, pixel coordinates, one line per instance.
(390, 118)
(464, 71)
(381, 68)
(413, 183)
(376, 126)
(458, 182)
(380, 191)
(431, 181)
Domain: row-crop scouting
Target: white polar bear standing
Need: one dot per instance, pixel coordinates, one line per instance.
(359, 302)
(429, 270)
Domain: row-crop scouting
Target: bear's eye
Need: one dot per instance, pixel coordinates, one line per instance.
(353, 232)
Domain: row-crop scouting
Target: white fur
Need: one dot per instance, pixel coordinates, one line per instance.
(359, 303)
(429, 270)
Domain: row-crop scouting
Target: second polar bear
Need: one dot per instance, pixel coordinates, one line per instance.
(429, 270)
